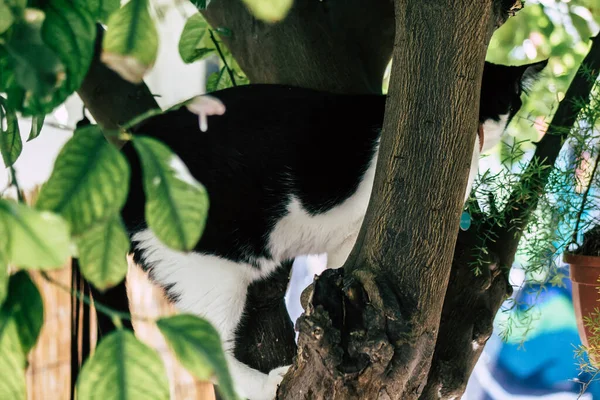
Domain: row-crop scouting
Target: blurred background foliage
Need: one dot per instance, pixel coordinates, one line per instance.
(545, 29)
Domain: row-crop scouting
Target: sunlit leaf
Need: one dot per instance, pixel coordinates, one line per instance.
(12, 364)
(37, 239)
(218, 81)
(37, 122)
(130, 45)
(195, 43)
(269, 10)
(197, 346)
(10, 138)
(89, 182)
(6, 16)
(103, 253)
(176, 203)
(3, 281)
(4, 249)
(25, 307)
(101, 10)
(123, 368)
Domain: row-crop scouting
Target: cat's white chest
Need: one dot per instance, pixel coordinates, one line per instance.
(300, 233)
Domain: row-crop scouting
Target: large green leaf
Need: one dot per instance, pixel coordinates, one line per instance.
(37, 239)
(176, 203)
(269, 10)
(6, 16)
(123, 368)
(12, 364)
(197, 346)
(70, 31)
(195, 43)
(89, 182)
(103, 253)
(25, 307)
(101, 10)
(130, 45)
(10, 138)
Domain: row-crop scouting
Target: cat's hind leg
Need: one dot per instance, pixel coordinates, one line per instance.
(215, 289)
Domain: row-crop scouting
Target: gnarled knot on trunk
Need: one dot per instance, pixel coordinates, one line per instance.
(348, 338)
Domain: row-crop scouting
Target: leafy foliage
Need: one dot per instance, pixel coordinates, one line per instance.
(12, 364)
(195, 43)
(198, 347)
(103, 253)
(123, 368)
(89, 182)
(21, 318)
(176, 204)
(35, 239)
(25, 308)
(10, 138)
(131, 42)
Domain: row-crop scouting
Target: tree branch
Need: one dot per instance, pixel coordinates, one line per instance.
(472, 301)
(110, 99)
(378, 340)
(339, 46)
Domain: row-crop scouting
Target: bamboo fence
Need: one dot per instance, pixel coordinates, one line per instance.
(48, 372)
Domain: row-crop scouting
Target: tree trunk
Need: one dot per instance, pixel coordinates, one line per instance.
(392, 292)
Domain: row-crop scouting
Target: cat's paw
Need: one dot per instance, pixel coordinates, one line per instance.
(274, 379)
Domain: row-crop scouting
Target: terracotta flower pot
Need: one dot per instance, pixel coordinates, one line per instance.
(585, 274)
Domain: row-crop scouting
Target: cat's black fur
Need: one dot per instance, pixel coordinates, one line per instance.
(322, 141)
(275, 143)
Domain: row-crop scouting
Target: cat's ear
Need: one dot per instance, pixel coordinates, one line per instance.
(530, 73)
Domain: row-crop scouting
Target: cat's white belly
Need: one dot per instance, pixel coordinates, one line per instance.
(300, 233)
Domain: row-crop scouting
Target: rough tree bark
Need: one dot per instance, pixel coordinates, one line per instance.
(378, 342)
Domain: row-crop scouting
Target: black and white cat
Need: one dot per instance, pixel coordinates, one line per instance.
(289, 172)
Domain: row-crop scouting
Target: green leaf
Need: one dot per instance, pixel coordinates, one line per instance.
(70, 31)
(37, 122)
(195, 43)
(37, 68)
(123, 368)
(103, 253)
(4, 255)
(101, 10)
(89, 182)
(12, 364)
(218, 81)
(25, 307)
(10, 139)
(269, 10)
(201, 4)
(130, 45)
(197, 346)
(176, 203)
(3, 281)
(38, 240)
(6, 16)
